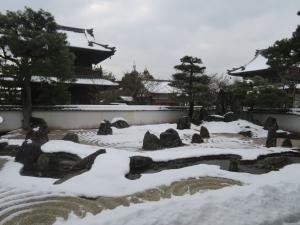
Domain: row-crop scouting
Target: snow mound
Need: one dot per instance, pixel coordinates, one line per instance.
(235, 127)
(272, 199)
(118, 118)
(69, 147)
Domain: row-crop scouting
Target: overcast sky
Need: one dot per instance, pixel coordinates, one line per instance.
(157, 33)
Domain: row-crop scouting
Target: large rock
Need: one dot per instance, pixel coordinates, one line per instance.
(184, 123)
(120, 123)
(37, 163)
(81, 166)
(71, 137)
(170, 139)
(197, 139)
(28, 155)
(151, 142)
(229, 117)
(104, 128)
(287, 143)
(203, 114)
(39, 122)
(10, 150)
(271, 137)
(204, 133)
(273, 163)
(87, 162)
(197, 118)
(270, 122)
(54, 165)
(38, 132)
(3, 144)
(139, 164)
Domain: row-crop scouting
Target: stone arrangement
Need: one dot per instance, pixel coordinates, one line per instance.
(272, 127)
(105, 128)
(120, 124)
(38, 132)
(196, 138)
(287, 143)
(184, 123)
(167, 139)
(204, 133)
(71, 137)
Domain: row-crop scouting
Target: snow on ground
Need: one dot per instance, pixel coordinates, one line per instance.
(69, 147)
(107, 175)
(264, 199)
(271, 198)
(131, 138)
(12, 141)
(235, 127)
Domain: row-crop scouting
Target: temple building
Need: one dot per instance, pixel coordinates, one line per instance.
(88, 80)
(158, 92)
(258, 67)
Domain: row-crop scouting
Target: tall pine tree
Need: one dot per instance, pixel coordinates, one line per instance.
(190, 80)
(284, 58)
(30, 45)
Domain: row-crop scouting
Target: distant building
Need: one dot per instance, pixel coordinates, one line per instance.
(87, 81)
(258, 67)
(158, 92)
(255, 67)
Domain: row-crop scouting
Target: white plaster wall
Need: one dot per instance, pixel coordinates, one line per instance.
(90, 119)
(288, 122)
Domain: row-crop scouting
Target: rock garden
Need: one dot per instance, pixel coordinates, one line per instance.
(121, 164)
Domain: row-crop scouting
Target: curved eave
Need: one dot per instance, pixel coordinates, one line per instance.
(95, 56)
(251, 73)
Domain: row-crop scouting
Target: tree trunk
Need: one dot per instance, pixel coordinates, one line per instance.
(191, 97)
(26, 103)
(191, 109)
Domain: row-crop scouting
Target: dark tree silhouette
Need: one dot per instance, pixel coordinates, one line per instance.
(30, 45)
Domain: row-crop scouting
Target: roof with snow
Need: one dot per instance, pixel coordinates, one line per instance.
(83, 38)
(84, 46)
(159, 87)
(82, 81)
(258, 63)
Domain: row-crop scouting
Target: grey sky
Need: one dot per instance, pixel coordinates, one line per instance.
(156, 33)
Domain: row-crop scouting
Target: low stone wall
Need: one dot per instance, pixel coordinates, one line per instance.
(88, 117)
(286, 121)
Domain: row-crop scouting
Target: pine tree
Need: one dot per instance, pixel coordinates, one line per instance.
(190, 80)
(30, 45)
(284, 58)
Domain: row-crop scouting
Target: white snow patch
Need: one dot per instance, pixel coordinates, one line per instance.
(118, 118)
(35, 129)
(70, 147)
(235, 127)
(1, 119)
(12, 141)
(271, 198)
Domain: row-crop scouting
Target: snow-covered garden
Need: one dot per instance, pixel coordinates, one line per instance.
(189, 184)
